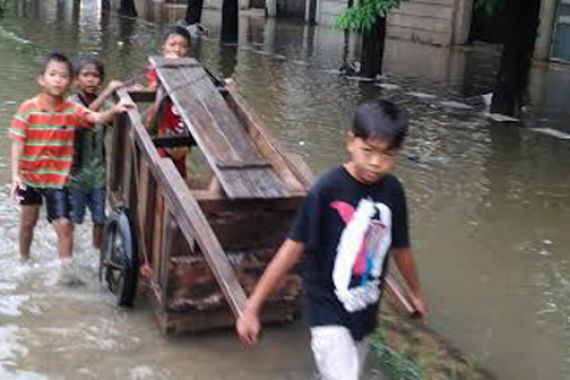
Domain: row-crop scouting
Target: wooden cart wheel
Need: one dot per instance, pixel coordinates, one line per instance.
(119, 260)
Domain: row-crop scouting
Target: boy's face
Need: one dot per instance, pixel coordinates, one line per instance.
(370, 159)
(88, 80)
(56, 78)
(175, 46)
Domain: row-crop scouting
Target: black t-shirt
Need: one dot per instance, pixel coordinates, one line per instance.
(347, 228)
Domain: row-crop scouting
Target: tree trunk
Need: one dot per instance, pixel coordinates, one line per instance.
(512, 79)
(373, 48)
(127, 8)
(230, 22)
(194, 11)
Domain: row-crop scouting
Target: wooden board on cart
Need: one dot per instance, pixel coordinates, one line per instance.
(241, 169)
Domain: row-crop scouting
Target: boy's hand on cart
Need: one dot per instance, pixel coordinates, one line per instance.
(248, 327)
(420, 306)
(114, 85)
(124, 105)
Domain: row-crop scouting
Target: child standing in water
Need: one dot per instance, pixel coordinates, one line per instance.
(353, 218)
(177, 43)
(43, 133)
(88, 173)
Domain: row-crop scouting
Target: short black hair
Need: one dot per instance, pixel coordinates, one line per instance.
(380, 119)
(177, 30)
(89, 60)
(55, 56)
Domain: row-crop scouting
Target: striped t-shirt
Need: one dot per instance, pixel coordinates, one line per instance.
(48, 136)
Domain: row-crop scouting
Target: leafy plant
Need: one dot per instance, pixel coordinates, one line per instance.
(362, 15)
(395, 365)
(490, 6)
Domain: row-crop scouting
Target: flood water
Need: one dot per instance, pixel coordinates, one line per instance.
(490, 203)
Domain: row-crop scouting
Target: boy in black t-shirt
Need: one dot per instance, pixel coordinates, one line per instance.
(352, 217)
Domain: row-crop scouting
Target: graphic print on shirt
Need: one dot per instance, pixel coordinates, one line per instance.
(361, 250)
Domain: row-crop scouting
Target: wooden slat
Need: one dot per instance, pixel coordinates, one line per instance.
(242, 164)
(157, 237)
(187, 213)
(217, 131)
(299, 179)
(165, 266)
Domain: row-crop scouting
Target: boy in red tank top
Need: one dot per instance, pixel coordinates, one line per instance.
(177, 43)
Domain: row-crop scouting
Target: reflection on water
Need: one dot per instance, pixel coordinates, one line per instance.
(490, 203)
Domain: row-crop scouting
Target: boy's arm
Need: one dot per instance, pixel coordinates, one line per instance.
(247, 326)
(405, 262)
(107, 92)
(15, 154)
(107, 115)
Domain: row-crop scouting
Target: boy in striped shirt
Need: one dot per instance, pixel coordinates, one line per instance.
(43, 132)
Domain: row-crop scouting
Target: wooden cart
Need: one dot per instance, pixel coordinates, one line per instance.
(203, 245)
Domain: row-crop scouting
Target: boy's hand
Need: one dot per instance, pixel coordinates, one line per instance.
(248, 327)
(123, 106)
(114, 85)
(16, 184)
(419, 305)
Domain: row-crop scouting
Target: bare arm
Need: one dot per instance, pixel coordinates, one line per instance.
(107, 92)
(107, 115)
(406, 264)
(15, 155)
(248, 326)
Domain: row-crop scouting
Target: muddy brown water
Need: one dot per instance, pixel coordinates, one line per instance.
(490, 204)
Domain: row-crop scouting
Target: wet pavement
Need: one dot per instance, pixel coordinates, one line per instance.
(490, 203)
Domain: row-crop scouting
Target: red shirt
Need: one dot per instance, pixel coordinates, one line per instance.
(48, 135)
(170, 122)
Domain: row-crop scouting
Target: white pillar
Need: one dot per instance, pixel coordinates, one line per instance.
(543, 44)
(271, 6)
(462, 17)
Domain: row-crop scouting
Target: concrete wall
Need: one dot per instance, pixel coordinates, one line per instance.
(439, 22)
(429, 21)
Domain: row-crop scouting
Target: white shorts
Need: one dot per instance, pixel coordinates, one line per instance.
(337, 355)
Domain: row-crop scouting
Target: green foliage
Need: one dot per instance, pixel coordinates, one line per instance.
(490, 6)
(362, 15)
(395, 365)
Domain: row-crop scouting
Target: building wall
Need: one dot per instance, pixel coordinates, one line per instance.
(439, 22)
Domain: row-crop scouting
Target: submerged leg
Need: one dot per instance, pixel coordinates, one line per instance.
(28, 219)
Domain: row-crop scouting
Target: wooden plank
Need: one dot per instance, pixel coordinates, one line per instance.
(187, 213)
(157, 237)
(242, 164)
(277, 312)
(298, 180)
(211, 201)
(217, 131)
(119, 133)
(127, 168)
(165, 256)
(247, 230)
(148, 218)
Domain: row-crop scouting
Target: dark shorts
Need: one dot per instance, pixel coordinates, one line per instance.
(94, 199)
(57, 201)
